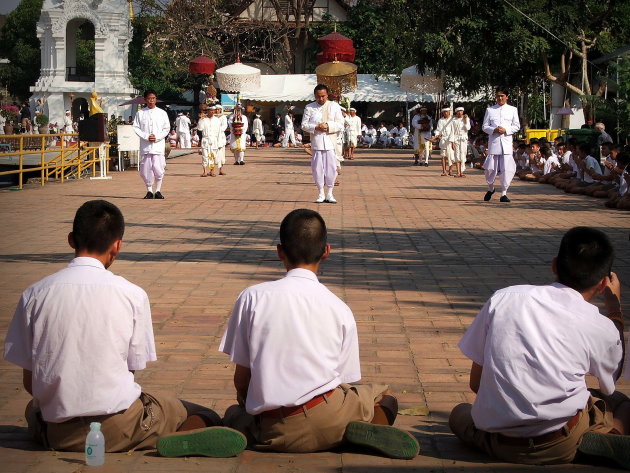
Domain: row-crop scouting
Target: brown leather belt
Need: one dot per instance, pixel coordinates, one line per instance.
(544, 438)
(280, 412)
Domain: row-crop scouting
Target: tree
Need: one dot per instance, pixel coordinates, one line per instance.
(20, 45)
(477, 43)
(389, 51)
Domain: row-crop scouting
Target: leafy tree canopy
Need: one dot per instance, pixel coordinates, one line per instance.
(20, 45)
(384, 34)
(476, 43)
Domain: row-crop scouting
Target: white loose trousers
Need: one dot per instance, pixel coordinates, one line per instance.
(152, 165)
(324, 167)
(501, 165)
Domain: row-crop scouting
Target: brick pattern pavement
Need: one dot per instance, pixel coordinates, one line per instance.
(415, 255)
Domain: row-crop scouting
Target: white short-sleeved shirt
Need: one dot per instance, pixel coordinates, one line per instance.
(297, 338)
(80, 331)
(591, 163)
(566, 157)
(536, 343)
(553, 159)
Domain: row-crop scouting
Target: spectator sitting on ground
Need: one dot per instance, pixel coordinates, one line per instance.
(194, 137)
(294, 346)
(172, 138)
(480, 151)
(531, 348)
(535, 164)
(619, 198)
(552, 165)
(402, 134)
(590, 172)
(603, 136)
(609, 154)
(372, 133)
(366, 140)
(383, 135)
(280, 140)
(521, 157)
(80, 335)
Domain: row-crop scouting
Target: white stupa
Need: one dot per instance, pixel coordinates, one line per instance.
(61, 86)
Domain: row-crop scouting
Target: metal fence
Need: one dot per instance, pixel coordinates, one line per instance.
(58, 156)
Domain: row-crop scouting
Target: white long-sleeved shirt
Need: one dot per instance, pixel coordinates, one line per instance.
(314, 115)
(151, 121)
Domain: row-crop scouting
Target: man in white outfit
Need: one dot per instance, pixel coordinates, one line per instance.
(210, 132)
(500, 122)
(238, 127)
(219, 159)
(354, 125)
(182, 125)
(422, 125)
(323, 120)
(442, 131)
(458, 140)
(67, 126)
(258, 131)
(152, 125)
(289, 131)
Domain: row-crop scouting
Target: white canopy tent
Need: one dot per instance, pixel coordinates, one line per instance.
(299, 88)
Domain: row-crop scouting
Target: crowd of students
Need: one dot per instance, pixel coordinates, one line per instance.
(571, 166)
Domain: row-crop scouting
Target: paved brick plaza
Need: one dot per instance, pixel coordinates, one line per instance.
(415, 255)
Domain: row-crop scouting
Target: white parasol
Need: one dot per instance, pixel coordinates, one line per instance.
(238, 77)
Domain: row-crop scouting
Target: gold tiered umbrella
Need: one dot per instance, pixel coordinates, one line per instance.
(412, 82)
(340, 77)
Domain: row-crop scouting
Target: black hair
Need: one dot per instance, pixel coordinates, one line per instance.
(534, 141)
(585, 257)
(585, 148)
(545, 151)
(502, 89)
(149, 91)
(623, 158)
(303, 236)
(97, 224)
(321, 87)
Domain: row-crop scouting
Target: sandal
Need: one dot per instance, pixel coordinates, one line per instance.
(443, 174)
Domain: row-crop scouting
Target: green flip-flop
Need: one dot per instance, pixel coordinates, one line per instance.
(218, 442)
(389, 441)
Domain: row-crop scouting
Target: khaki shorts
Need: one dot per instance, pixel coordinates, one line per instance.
(316, 429)
(140, 426)
(595, 417)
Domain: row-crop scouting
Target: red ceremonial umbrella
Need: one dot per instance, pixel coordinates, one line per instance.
(337, 44)
(202, 65)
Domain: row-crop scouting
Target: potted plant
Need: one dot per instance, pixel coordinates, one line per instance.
(42, 123)
(10, 115)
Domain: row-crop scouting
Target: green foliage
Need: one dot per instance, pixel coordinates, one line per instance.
(85, 49)
(19, 44)
(618, 111)
(164, 42)
(476, 43)
(384, 35)
(41, 120)
(147, 69)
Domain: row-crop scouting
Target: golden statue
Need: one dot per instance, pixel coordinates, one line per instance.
(95, 107)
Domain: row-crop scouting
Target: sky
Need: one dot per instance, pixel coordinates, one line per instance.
(7, 6)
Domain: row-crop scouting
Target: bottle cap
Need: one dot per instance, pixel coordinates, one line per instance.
(95, 426)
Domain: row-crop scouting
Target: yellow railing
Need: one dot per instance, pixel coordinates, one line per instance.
(60, 157)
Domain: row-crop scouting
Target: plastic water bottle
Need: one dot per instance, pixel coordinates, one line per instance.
(95, 446)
